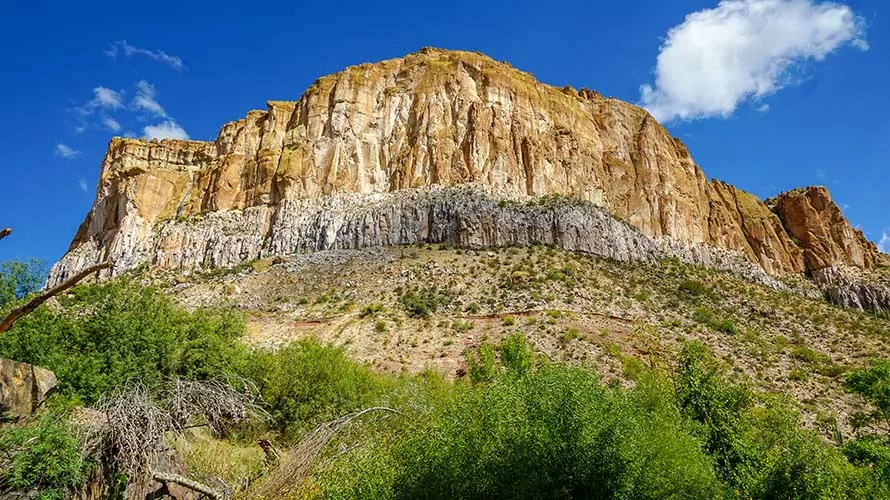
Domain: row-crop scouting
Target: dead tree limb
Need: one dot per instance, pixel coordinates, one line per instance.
(5, 232)
(17, 313)
(297, 462)
(165, 477)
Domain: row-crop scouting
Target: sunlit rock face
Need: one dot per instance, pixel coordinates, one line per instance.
(444, 146)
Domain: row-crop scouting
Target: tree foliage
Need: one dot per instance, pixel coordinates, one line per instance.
(19, 279)
(106, 334)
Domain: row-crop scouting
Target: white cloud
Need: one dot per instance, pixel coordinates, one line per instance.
(145, 99)
(66, 152)
(884, 243)
(168, 129)
(122, 47)
(112, 124)
(106, 98)
(83, 185)
(742, 50)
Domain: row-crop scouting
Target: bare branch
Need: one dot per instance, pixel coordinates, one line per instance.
(298, 461)
(188, 483)
(5, 232)
(34, 303)
(135, 421)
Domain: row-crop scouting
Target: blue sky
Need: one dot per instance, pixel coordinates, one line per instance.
(767, 94)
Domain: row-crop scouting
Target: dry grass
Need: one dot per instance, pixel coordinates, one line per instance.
(232, 465)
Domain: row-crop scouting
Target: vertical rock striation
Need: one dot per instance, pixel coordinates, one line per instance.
(368, 156)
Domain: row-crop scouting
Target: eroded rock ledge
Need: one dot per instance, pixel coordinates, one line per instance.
(379, 154)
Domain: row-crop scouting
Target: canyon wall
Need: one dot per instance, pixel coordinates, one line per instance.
(446, 146)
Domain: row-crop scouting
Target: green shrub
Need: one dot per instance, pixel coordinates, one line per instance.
(807, 355)
(556, 433)
(569, 335)
(696, 288)
(462, 326)
(873, 384)
(43, 457)
(483, 364)
(308, 382)
(516, 355)
(420, 303)
(759, 445)
(105, 334)
(372, 310)
(707, 317)
(872, 452)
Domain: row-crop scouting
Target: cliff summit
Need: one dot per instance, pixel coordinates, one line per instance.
(449, 146)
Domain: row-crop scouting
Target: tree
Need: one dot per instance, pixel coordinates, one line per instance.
(873, 384)
(19, 279)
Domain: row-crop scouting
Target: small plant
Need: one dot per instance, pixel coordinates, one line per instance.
(508, 321)
(569, 335)
(873, 384)
(380, 326)
(482, 364)
(807, 355)
(707, 317)
(462, 326)
(554, 314)
(421, 303)
(696, 288)
(371, 310)
(44, 456)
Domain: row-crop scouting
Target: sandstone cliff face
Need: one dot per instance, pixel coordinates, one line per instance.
(821, 230)
(338, 167)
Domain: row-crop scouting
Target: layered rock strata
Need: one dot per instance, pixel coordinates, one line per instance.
(367, 157)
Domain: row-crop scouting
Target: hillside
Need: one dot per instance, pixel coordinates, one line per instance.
(407, 309)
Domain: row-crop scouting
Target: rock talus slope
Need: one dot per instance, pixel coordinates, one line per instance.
(445, 146)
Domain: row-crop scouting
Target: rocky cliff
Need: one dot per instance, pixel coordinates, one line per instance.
(445, 146)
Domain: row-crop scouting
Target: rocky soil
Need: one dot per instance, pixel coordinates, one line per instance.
(571, 306)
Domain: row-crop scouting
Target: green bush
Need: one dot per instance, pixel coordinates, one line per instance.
(42, 457)
(555, 433)
(696, 288)
(372, 310)
(808, 355)
(462, 326)
(308, 382)
(872, 452)
(873, 384)
(105, 334)
(707, 317)
(759, 446)
(421, 302)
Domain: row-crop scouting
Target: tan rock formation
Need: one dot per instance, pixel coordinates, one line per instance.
(292, 177)
(821, 230)
(23, 387)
